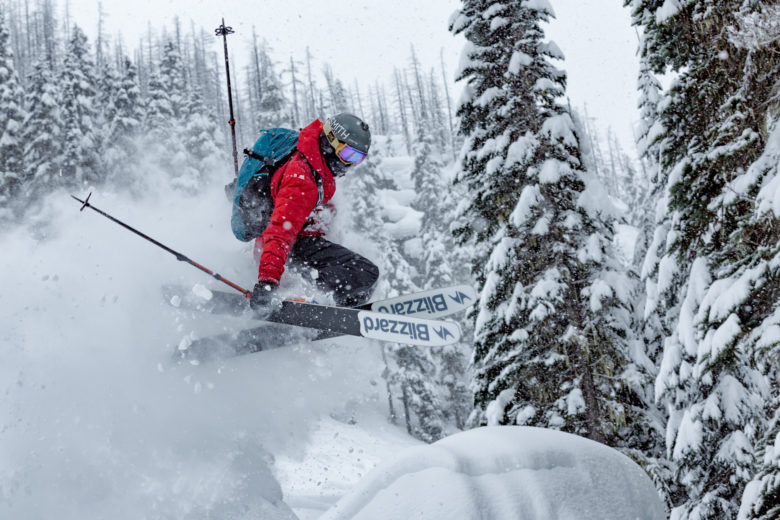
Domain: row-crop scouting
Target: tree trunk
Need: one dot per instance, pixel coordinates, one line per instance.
(390, 406)
(402, 111)
(405, 396)
(578, 357)
(449, 106)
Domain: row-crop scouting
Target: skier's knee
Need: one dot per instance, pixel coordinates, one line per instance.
(361, 284)
(371, 274)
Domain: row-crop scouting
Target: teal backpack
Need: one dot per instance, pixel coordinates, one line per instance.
(252, 202)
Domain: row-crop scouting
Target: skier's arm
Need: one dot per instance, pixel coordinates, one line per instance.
(294, 202)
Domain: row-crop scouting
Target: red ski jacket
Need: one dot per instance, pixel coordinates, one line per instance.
(295, 194)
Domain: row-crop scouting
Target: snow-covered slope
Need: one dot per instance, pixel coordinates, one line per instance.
(96, 422)
(505, 473)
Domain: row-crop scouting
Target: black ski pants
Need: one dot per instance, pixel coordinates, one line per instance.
(350, 277)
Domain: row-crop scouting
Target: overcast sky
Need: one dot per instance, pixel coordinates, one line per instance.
(365, 39)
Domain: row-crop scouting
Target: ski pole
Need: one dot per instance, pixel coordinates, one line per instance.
(179, 256)
(224, 31)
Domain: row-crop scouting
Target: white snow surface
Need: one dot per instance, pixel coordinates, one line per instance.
(95, 419)
(768, 198)
(669, 9)
(505, 473)
(519, 59)
(97, 422)
(540, 5)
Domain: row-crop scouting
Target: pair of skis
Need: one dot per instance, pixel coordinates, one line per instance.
(411, 319)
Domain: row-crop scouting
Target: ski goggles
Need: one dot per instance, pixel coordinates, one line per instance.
(346, 153)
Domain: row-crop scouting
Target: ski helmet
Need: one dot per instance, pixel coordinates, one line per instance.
(348, 136)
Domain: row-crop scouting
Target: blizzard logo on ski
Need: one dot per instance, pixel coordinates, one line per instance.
(443, 333)
(427, 305)
(415, 331)
(460, 298)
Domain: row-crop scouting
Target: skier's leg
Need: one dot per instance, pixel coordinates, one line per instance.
(348, 275)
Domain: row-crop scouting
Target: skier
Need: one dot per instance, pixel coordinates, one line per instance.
(294, 235)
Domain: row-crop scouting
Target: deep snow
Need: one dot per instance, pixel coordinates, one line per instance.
(505, 473)
(96, 420)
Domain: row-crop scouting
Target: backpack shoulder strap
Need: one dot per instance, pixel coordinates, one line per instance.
(318, 180)
(265, 160)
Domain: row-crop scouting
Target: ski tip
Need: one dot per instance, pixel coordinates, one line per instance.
(408, 330)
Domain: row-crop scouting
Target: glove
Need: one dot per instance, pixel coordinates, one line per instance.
(264, 299)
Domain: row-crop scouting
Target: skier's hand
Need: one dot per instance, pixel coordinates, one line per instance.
(264, 299)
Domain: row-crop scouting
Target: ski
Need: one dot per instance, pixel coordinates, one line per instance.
(367, 323)
(416, 316)
(224, 346)
(434, 303)
(328, 321)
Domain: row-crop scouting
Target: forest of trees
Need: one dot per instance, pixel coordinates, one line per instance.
(671, 356)
(75, 112)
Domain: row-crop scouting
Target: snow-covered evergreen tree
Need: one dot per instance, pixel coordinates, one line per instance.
(272, 105)
(436, 270)
(488, 63)
(760, 499)
(12, 115)
(124, 133)
(81, 162)
(751, 292)
(162, 140)
(711, 253)
(434, 267)
(439, 125)
(400, 106)
(174, 80)
(412, 374)
(337, 94)
(655, 308)
(107, 91)
(202, 153)
(452, 380)
(42, 133)
(159, 110)
(552, 332)
(759, 31)
(649, 96)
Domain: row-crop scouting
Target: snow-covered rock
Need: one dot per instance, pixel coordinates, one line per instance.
(505, 472)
